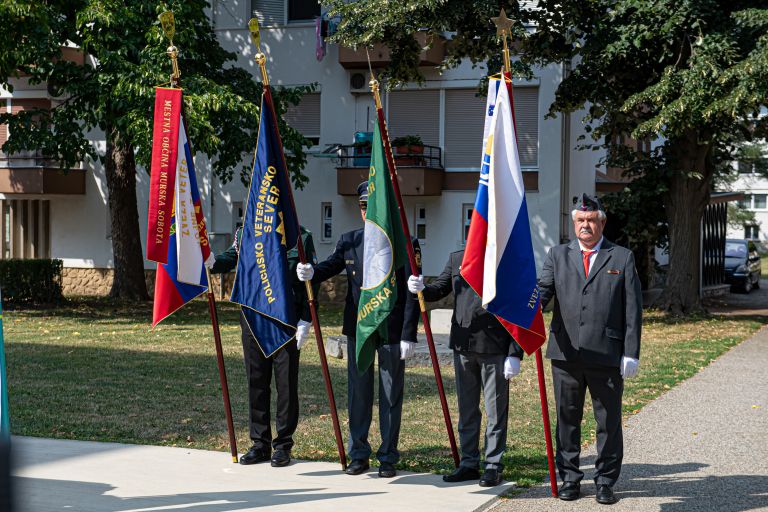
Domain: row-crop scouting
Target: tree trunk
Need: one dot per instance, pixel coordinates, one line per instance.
(128, 260)
(685, 202)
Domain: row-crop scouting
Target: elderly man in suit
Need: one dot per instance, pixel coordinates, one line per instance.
(594, 343)
(485, 356)
(401, 329)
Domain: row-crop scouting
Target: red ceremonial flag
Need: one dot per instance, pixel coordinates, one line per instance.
(165, 135)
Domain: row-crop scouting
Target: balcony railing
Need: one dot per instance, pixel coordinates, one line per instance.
(32, 172)
(356, 156)
(31, 159)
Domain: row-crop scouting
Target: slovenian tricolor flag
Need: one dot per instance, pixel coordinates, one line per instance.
(182, 277)
(498, 260)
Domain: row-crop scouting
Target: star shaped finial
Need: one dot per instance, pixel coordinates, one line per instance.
(503, 24)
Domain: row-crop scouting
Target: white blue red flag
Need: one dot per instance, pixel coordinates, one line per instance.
(498, 260)
(183, 277)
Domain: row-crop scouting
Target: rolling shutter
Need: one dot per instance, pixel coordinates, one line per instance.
(268, 12)
(464, 118)
(415, 113)
(305, 117)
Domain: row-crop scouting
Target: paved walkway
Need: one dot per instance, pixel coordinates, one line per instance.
(701, 447)
(80, 476)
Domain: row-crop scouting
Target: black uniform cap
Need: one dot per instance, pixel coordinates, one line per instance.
(362, 191)
(589, 204)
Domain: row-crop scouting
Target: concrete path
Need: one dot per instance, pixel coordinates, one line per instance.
(701, 447)
(79, 476)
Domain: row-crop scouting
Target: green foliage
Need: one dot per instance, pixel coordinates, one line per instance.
(407, 140)
(126, 59)
(30, 281)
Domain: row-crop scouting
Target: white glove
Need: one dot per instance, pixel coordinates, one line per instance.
(305, 271)
(629, 366)
(511, 367)
(210, 262)
(406, 349)
(302, 331)
(415, 284)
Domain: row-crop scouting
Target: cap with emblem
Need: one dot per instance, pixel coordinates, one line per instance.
(362, 192)
(589, 204)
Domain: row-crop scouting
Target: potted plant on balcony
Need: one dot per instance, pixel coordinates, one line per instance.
(409, 150)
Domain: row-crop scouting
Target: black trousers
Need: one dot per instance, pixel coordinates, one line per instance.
(606, 386)
(284, 364)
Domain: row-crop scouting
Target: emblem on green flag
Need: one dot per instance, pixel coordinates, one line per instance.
(384, 252)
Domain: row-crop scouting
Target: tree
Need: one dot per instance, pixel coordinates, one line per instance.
(114, 93)
(693, 75)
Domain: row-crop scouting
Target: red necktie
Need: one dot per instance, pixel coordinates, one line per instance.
(585, 256)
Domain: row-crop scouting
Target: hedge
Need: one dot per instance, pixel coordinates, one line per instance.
(31, 281)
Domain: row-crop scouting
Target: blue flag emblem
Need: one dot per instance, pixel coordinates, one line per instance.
(270, 229)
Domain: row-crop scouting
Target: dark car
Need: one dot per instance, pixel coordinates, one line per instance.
(742, 265)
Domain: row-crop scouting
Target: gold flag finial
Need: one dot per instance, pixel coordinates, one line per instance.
(169, 28)
(261, 59)
(504, 29)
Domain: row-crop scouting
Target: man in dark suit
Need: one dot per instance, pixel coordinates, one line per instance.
(594, 343)
(485, 356)
(284, 364)
(401, 328)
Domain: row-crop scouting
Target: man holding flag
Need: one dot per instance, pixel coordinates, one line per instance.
(594, 343)
(380, 316)
(270, 310)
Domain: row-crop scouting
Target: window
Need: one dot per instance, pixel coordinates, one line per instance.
(305, 117)
(415, 113)
(746, 202)
(326, 231)
(303, 10)
(759, 201)
(420, 222)
(752, 232)
(464, 123)
(238, 214)
(745, 167)
(466, 216)
(268, 12)
(26, 231)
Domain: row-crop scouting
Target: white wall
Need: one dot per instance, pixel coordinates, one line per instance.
(751, 184)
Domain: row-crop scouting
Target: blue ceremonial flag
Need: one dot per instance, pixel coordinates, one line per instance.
(5, 420)
(270, 229)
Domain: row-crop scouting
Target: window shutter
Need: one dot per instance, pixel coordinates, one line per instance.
(527, 121)
(268, 12)
(305, 117)
(464, 121)
(415, 113)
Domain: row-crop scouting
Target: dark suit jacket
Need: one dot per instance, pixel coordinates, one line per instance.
(473, 328)
(227, 261)
(348, 256)
(596, 319)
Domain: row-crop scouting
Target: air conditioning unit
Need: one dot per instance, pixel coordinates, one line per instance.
(358, 82)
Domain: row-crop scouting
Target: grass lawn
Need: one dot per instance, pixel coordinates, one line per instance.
(93, 370)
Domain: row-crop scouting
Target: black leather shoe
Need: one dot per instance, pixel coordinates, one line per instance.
(569, 491)
(462, 474)
(281, 458)
(605, 495)
(254, 456)
(491, 478)
(386, 470)
(357, 466)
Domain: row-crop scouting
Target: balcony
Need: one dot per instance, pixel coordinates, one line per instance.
(33, 173)
(357, 59)
(419, 174)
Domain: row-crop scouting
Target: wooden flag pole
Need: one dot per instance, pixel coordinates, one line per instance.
(503, 28)
(415, 269)
(169, 28)
(261, 59)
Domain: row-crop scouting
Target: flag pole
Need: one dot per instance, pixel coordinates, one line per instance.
(374, 84)
(261, 59)
(503, 29)
(169, 27)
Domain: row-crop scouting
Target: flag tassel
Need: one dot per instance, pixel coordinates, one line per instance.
(261, 60)
(412, 260)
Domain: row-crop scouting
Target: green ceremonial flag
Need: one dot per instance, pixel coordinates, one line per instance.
(5, 420)
(384, 252)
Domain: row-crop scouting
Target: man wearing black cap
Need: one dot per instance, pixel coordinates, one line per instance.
(594, 343)
(401, 328)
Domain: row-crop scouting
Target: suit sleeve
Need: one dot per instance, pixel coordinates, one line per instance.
(633, 302)
(412, 310)
(332, 265)
(441, 286)
(547, 280)
(515, 350)
(226, 261)
(299, 288)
